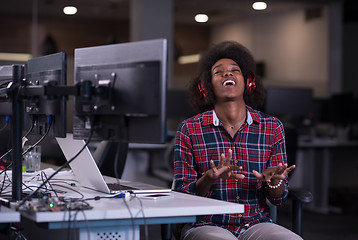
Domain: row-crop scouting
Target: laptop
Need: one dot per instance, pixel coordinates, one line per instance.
(88, 175)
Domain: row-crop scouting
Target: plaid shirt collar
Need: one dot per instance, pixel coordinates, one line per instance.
(210, 117)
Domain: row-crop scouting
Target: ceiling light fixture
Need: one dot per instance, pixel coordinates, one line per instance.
(259, 5)
(201, 18)
(194, 58)
(70, 10)
(17, 57)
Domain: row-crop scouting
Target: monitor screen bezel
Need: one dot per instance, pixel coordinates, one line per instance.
(41, 71)
(140, 129)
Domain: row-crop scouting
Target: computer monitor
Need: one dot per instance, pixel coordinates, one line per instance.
(341, 109)
(11, 78)
(123, 90)
(294, 103)
(49, 70)
(5, 79)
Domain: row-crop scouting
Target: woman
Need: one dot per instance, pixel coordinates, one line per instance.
(230, 151)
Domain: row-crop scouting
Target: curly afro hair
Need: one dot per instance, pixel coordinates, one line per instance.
(201, 85)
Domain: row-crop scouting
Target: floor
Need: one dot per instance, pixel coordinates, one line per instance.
(318, 226)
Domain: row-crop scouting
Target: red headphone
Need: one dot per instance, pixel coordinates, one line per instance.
(201, 89)
(251, 84)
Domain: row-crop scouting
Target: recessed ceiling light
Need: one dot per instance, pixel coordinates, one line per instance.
(259, 5)
(201, 18)
(70, 10)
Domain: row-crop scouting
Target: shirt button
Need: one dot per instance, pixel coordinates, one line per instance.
(240, 215)
(238, 197)
(236, 161)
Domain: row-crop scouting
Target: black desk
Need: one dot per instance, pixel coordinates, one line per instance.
(313, 169)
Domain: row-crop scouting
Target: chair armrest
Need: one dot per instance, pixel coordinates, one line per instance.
(300, 194)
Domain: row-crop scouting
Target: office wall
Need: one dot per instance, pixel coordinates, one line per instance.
(295, 51)
(189, 40)
(15, 34)
(67, 33)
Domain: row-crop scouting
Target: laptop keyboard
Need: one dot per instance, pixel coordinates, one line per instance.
(119, 187)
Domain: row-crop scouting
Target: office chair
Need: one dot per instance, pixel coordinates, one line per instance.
(299, 196)
(106, 155)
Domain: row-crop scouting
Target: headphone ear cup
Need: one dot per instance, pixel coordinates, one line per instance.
(201, 90)
(251, 84)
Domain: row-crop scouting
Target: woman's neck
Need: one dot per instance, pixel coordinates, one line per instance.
(231, 113)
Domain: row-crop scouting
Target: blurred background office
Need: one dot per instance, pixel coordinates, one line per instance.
(305, 52)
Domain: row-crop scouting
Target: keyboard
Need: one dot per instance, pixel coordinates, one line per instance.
(119, 187)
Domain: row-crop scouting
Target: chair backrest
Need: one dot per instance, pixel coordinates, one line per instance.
(107, 153)
(291, 137)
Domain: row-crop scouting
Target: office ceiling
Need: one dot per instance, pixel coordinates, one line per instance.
(184, 10)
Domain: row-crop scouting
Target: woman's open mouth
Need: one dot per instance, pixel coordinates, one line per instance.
(229, 82)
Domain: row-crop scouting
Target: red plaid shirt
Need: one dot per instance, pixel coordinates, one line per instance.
(257, 145)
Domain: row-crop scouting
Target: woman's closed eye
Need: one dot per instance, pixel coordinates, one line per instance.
(236, 70)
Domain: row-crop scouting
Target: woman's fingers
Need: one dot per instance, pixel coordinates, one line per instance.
(212, 165)
(224, 167)
(289, 169)
(221, 161)
(225, 160)
(235, 167)
(280, 171)
(229, 156)
(238, 176)
(258, 175)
